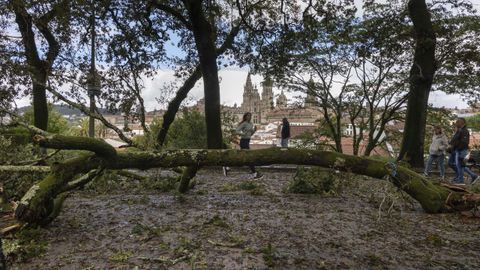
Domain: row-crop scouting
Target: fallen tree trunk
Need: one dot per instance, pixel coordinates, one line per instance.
(38, 203)
(23, 168)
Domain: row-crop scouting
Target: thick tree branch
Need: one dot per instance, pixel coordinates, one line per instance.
(183, 91)
(174, 104)
(83, 180)
(98, 146)
(23, 168)
(434, 198)
(173, 12)
(95, 115)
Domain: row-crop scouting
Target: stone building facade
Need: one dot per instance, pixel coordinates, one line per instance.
(256, 104)
(266, 110)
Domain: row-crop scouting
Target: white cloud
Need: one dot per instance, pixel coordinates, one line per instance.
(440, 99)
(232, 82)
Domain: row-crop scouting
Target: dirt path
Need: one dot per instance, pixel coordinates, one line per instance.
(218, 227)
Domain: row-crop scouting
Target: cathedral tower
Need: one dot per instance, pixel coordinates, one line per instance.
(251, 100)
(282, 101)
(310, 100)
(267, 94)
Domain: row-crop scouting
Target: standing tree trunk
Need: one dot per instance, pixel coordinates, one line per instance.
(421, 77)
(40, 106)
(39, 68)
(205, 41)
(183, 91)
(205, 38)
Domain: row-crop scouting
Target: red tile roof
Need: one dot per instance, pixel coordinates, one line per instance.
(296, 131)
(475, 140)
(347, 148)
(347, 142)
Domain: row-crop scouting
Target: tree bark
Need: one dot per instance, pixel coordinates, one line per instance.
(182, 93)
(98, 146)
(174, 104)
(38, 204)
(95, 115)
(421, 78)
(40, 105)
(187, 174)
(205, 41)
(24, 168)
(38, 68)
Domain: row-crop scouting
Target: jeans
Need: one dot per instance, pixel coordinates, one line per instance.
(440, 164)
(452, 164)
(245, 144)
(284, 142)
(455, 161)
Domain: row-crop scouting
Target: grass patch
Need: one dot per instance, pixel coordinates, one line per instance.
(138, 200)
(115, 181)
(27, 244)
(217, 221)
(201, 192)
(373, 259)
(253, 187)
(146, 232)
(247, 185)
(164, 184)
(249, 250)
(315, 181)
(434, 239)
(185, 245)
(268, 255)
(121, 256)
(229, 187)
(236, 239)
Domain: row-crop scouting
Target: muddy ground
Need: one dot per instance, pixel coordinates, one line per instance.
(237, 223)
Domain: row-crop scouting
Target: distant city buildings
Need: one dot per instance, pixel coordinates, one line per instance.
(467, 112)
(268, 110)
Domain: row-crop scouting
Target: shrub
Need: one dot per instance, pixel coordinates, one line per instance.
(315, 180)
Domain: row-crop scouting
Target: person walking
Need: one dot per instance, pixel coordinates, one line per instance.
(459, 150)
(437, 152)
(285, 133)
(246, 129)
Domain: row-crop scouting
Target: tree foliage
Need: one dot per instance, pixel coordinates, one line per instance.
(358, 64)
(473, 122)
(56, 122)
(188, 131)
(438, 117)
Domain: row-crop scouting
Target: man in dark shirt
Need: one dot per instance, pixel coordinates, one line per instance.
(285, 132)
(459, 150)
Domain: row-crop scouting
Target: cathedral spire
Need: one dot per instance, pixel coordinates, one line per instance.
(267, 81)
(282, 100)
(248, 84)
(310, 100)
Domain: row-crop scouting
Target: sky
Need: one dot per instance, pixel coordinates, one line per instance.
(232, 81)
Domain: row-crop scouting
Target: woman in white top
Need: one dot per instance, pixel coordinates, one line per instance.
(246, 129)
(437, 151)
